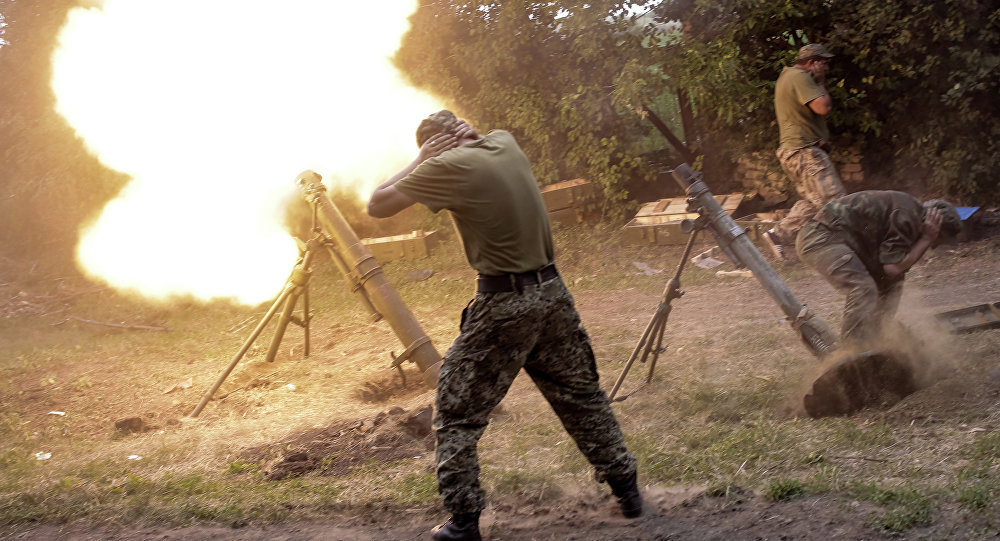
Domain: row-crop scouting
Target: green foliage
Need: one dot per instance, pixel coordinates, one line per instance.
(783, 490)
(543, 71)
(931, 73)
(913, 82)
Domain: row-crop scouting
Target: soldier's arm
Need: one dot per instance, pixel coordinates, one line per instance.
(386, 200)
(932, 227)
(823, 104)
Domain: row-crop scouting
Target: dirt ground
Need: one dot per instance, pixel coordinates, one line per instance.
(396, 424)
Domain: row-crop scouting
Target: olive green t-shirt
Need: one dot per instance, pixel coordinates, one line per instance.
(491, 192)
(798, 125)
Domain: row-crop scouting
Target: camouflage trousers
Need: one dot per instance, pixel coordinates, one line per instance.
(538, 330)
(817, 182)
(868, 302)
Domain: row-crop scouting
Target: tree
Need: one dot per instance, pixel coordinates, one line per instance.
(914, 82)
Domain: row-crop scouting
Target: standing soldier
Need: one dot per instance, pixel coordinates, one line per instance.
(521, 317)
(801, 102)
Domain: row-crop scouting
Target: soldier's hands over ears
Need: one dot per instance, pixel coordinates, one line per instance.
(463, 129)
(932, 224)
(437, 144)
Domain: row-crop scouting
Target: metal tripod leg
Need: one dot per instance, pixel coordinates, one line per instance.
(246, 346)
(296, 286)
(300, 288)
(651, 341)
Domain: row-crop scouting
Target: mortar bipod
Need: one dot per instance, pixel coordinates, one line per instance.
(651, 343)
(296, 286)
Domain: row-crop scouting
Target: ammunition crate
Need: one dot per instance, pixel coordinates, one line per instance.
(659, 222)
(568, 194)
(412, 245)
(566, 216)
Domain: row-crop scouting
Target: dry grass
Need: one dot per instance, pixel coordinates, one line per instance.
(722, 411)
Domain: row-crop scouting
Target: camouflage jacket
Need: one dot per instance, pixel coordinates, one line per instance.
(880, 226)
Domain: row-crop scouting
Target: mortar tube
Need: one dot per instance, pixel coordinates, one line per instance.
(380, 292)
(815, 333)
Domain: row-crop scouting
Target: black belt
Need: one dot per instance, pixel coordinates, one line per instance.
(516, 281)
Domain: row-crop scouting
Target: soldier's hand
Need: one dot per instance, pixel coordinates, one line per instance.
(932, 224)
(463, 129)
(437, 144)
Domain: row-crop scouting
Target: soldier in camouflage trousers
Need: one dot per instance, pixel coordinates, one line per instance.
(521, 317)
(801, 103)
(816, 181)
(539, 330)
(864, 243)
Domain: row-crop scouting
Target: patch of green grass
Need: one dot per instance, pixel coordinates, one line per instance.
(728, 402)
(239, 467)
(905, 507)
(723, 451)
(534, 486)
(976, 486)
(101, 471)
(783, 490)
(848, 433)
(172, 499)
(722, 490)
(986, 447)
(976, 497)
(826, 478)
(416, 488)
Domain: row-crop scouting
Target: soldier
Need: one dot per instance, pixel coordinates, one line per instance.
(521, 317)
(801, 102)
(864, 243)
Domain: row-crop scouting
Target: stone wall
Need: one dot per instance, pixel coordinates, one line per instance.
(760, 173)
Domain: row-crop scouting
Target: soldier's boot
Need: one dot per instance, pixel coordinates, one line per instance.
(460, 527)
(626, 489)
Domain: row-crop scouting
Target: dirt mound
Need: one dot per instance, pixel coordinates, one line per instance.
(966, 397)
(334, 450)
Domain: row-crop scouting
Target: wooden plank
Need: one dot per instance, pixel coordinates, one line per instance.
(973, 318)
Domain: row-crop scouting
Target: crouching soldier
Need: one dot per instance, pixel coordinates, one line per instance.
(864, 243)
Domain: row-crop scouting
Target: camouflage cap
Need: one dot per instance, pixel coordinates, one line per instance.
(812, 51)
(951, 222)
(442, 121)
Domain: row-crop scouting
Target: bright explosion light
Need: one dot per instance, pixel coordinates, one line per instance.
(213, 108)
